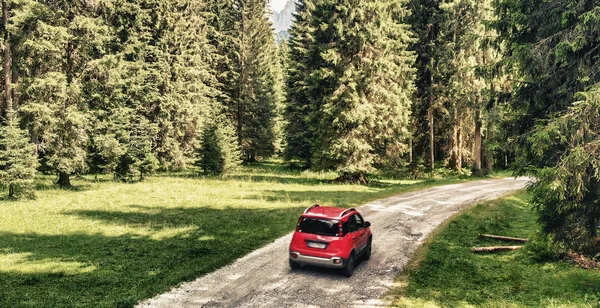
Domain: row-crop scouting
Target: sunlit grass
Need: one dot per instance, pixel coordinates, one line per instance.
(445, 273)
(23, 263)
(109, 244)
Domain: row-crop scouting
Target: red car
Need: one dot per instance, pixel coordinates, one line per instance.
(330, 237)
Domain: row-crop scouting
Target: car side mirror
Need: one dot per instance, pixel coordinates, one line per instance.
(367, 224)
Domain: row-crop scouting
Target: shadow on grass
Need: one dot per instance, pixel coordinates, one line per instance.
(337, 197)
(119, 271)
(342, 198)
(282, 179)
(47, 183)
(273, 167)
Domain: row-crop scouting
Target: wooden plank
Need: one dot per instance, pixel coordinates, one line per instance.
(494, 248)
(505, 238)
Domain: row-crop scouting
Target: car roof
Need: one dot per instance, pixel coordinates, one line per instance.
(327, 211)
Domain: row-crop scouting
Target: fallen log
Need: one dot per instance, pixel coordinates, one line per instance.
(494, 248)
(505, 238)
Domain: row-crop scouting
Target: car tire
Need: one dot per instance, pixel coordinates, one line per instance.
(294, 265)
(367, 255)
(349, 268)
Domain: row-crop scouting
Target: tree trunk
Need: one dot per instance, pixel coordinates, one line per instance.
(487, 157)
(433, 30)
(457, 140)
(64, 180)
(410, 150)
(477, 143)
(505, 238)
(494, 248)
(459, 136)
(242, 79)
(431, 137)
(14, 95)
(7, 62)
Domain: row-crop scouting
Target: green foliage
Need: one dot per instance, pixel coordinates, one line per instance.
(18, 161)
(456, 79)
(211, 157)
(138, 159)
(87, 72)
(567, 195)
(57, 42)
(552, 47)
(250, 72)
(355, 86)
(55, 119)
(298, 129)
(219, 152)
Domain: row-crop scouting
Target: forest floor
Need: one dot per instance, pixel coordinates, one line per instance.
(109, 244)
(399, 223)
(445, 273)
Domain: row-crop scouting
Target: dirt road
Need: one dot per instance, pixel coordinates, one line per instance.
(399, 224)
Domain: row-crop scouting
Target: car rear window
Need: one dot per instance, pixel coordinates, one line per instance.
(320, 226)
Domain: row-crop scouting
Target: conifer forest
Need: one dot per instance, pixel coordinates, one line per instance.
(132, 87)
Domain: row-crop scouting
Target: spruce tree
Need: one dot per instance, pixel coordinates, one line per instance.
(362, 89)
(298, 131)
(18, 161)
(567, 195)
(425, 19)
(138, 159)
(466, 61)
(211, 158)
(248, 72)
(65, 37)
(552, 47)
(191, 89)
(219, 153)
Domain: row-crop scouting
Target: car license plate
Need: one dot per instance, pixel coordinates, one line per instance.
(316, 245)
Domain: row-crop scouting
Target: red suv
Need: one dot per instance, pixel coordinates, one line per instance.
(330, 237)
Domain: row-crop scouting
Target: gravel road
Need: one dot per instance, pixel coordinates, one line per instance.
(399, 225)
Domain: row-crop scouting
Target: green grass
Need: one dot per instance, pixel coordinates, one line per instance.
(108, 244)
(445, 273)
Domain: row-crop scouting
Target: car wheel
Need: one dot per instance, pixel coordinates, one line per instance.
(349, 268)
(294, 265)
(368, 251)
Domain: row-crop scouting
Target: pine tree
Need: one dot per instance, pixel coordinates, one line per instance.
(456, 74)
(567, 194)
(66, 36)
(161, 74)
(467, 57)
(219, 153)
(247, 71)
(298, 131)
(365, 81)
(18, 161)
(426, 18)
(552, 46)
(138, 159)
(211, 159)
(191, 89)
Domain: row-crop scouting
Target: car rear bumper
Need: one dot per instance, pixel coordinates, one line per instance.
(333, 262)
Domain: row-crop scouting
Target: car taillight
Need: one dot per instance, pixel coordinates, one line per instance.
(294, 255)
(298, 224)
(341, 233)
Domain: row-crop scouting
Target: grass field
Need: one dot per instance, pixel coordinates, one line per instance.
(108, 244)
(445, 272)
